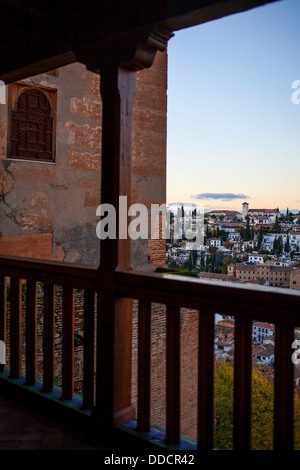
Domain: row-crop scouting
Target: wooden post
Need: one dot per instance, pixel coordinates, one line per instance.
(114, 324)
(117, 63)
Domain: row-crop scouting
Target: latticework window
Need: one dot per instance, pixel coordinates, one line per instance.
(31, 132)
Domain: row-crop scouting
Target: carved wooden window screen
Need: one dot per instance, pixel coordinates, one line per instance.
(32, 127)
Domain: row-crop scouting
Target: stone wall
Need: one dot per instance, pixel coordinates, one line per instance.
(48, 210)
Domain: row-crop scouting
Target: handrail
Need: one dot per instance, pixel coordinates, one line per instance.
(67, 274)
(271, 304)
(246, 303)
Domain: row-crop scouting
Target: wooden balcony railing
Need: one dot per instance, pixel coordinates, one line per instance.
(277, 306)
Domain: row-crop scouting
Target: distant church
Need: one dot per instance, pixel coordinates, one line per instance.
(259, 216)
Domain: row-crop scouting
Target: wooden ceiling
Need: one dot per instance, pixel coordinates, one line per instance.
(37, 36)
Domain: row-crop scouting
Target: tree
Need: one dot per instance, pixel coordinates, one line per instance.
(260, 238)
(228, 244)
(247, 231)
(276, 226)
(218, 261)
(279, 246)
(287, 245)
(208, 233)
(223, 235)
(224, 267)
(172, 264)
(275, 243)
(190, 263)
(262, 408)
(202, 260)
(193, 258)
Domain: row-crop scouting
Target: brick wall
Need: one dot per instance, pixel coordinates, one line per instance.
(189, 367)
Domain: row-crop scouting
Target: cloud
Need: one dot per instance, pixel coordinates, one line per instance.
(185, 204)
(222, 196)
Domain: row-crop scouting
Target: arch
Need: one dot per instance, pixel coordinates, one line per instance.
(29, 94)
(31, 133)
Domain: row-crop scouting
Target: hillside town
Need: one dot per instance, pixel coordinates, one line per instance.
(255, 247)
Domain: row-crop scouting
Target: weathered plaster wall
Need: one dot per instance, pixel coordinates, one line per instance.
(48, 210)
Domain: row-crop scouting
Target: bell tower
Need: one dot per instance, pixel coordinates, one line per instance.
(245, 209)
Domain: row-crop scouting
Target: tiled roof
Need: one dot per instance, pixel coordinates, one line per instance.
(245, 267)
(265, 211)
(219, 277)
(281, 268)
(264, 325)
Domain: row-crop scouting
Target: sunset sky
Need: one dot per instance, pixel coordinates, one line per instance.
(233, 130)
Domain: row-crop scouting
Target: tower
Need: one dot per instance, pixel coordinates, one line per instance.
(245, 209)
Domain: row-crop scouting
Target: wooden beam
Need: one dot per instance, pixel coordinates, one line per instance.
(21, 53)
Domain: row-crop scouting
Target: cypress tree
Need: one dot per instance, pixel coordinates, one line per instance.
(260, 238)
(287, 244)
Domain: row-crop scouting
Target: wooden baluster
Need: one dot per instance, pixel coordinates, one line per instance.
(284, 388)
(242, 383)
(144, 362)
(205, 381)
(48, 338)
(3, 318)
(173, 375)
(68, 344)
(15, 328)
(89, 349)
(31, 326)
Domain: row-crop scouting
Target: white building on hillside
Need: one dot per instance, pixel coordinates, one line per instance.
(260, 216)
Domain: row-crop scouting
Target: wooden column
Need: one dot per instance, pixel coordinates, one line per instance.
(117, 63)
(114, 326)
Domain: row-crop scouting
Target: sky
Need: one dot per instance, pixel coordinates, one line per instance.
(233, 131)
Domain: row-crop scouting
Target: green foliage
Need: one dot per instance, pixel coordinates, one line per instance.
(262, 409)
(287, 245)
(247, 231)
(260, 238)
(180, 272)
(78, 339)
(223, 418)
(276, 226)
(219, 262)
(278, 245)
